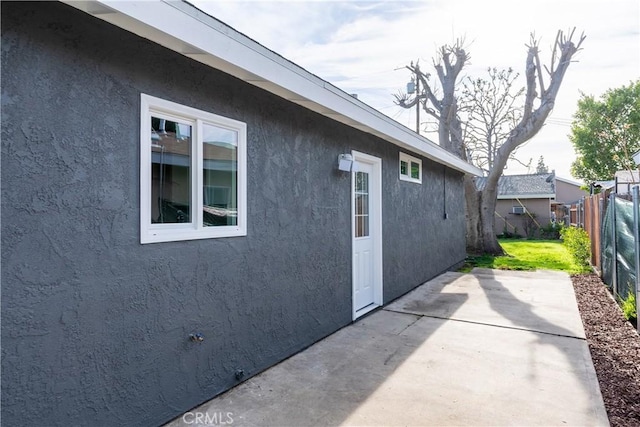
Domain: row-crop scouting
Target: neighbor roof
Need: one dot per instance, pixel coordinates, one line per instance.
(568, 181)
(528, 186)
(185, 29)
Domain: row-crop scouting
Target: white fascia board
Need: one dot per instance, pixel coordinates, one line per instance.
(182, 28)
(568, 181)
(526, 196)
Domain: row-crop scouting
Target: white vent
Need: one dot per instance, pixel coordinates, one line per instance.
(518, 210)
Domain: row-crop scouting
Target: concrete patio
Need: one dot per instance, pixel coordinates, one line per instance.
(487, 348)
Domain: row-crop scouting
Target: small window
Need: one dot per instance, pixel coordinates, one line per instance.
(192, 173)
(410, 168)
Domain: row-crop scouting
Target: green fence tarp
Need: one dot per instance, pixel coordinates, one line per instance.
(626, 274)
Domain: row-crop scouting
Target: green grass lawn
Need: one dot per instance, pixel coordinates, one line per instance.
(525, 254)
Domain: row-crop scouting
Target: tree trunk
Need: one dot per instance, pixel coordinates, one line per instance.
(472, 207)
(480, 211)
(490, 243)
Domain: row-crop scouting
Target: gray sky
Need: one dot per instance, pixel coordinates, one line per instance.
(362, 47)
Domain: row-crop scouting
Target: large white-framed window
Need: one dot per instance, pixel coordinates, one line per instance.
(410, 168)
(193, 173)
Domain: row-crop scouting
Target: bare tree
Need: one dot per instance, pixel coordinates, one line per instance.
(448, 65)
(539, 100)
(489, 109)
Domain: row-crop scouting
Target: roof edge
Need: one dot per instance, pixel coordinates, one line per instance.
(527, 196)
(568, 181)
(203, 38)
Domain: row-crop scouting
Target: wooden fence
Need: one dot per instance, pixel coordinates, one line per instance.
(594, 208)
(588, 214)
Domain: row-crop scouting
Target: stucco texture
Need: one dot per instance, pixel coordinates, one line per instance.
(95, 325)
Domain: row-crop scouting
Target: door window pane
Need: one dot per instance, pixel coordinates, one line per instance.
(361, 195)
(362, 204)
(170, 171)
(362, 182)
(220, 174)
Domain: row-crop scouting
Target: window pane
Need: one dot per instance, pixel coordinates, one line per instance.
(170, 171)
(365, 225)
(220, 174)
(362, 182)
(404, 168)
(362, 225)
(362, 204)
(415, 170)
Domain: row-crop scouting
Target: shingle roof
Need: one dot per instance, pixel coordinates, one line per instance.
(523, 185)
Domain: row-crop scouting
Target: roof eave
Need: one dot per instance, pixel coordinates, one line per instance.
(198, 36)
(568, 181)
(526, 196)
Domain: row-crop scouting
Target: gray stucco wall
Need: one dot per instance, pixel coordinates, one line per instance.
(94, 324)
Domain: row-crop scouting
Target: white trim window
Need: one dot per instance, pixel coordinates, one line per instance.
(193, 173)
(410, 168)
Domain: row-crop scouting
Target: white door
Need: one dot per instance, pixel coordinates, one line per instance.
(366, 234)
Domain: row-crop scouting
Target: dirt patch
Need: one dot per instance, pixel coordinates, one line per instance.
(615, 349)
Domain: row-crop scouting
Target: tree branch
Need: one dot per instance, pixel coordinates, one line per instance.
(532, 121)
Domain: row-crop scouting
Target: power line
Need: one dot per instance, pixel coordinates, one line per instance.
(558, 123)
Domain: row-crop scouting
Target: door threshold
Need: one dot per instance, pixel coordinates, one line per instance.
(364, 310)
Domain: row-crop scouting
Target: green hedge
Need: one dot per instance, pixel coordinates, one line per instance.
(576, 240)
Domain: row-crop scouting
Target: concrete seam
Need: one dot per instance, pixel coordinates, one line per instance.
(485, 324)
(417, 317)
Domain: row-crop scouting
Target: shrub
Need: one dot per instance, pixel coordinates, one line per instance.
(529, 225)
(629, 306)
(506, 234)
(551, 230)
(510, 234)
(576, 240)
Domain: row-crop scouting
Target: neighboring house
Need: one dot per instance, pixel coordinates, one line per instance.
(174, 219)
(568, 191)
(625, 181)
(528, 201)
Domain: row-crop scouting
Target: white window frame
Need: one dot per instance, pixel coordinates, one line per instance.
(409, 159)
(518, 207)
(152, 233)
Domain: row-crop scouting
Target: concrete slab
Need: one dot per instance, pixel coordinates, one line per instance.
(473, 374)
(487, 348)
(542, 301)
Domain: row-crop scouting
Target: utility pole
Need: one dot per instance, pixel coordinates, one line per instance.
(414, 87)
(417, 99)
